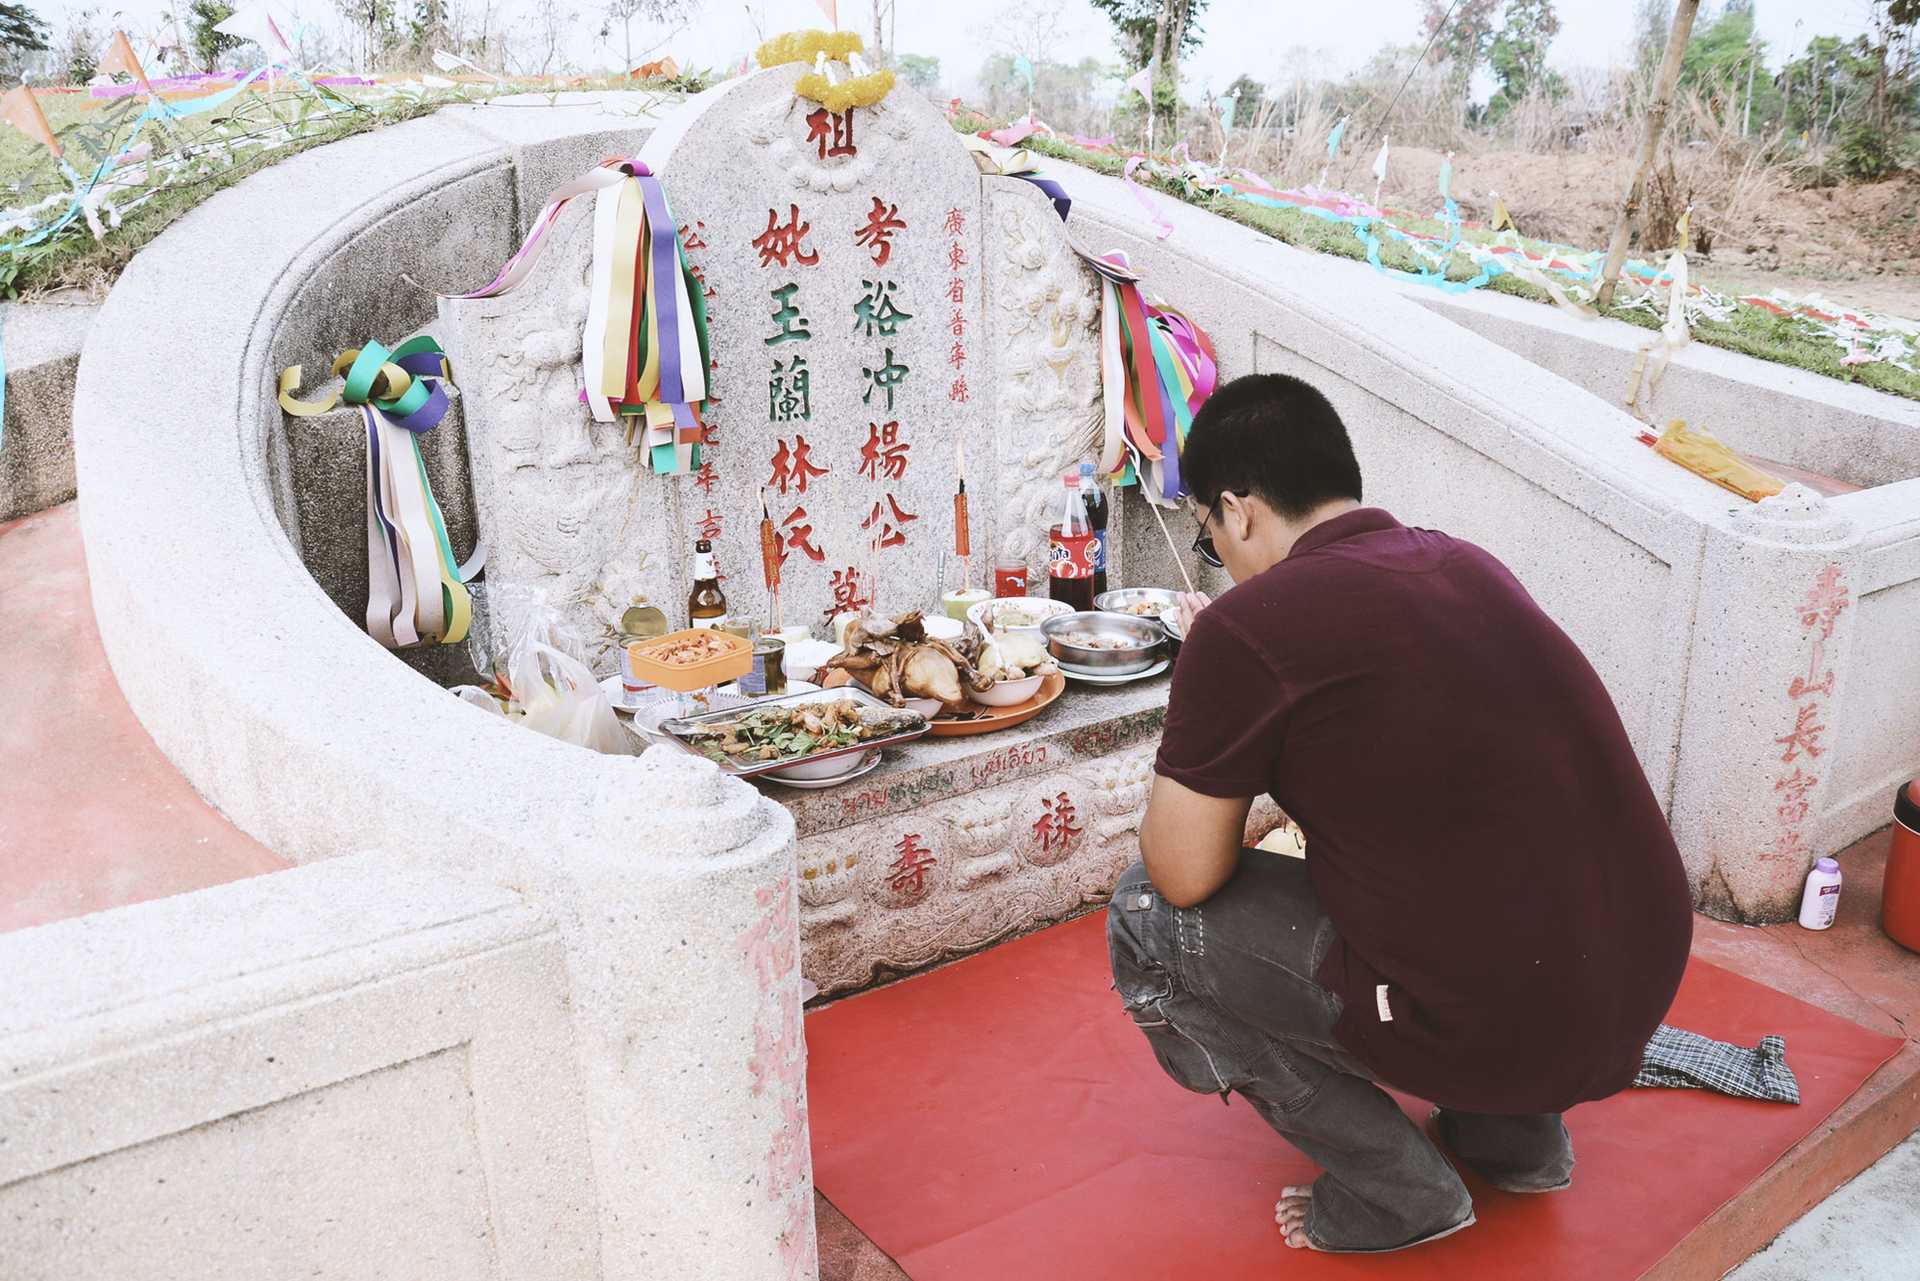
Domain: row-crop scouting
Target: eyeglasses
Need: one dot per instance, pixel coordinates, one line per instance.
(1203, 541)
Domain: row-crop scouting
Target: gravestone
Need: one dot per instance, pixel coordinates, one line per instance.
(875, 307)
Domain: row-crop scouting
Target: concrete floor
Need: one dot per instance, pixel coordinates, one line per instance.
(92, 815)
(1867, 1231)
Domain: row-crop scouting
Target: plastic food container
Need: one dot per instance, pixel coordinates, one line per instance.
(734, 660)
(1133, 643)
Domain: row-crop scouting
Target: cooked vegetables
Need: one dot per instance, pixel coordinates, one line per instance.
(806, 729)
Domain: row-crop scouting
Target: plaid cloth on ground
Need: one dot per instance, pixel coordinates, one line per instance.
(1687, 1060)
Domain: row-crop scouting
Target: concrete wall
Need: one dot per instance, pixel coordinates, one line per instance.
(355, 1070)
(670, 887)
(1689, 601)
(1849, 432)
(41, 344)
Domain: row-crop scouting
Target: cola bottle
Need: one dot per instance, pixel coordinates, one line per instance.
(1070, 545)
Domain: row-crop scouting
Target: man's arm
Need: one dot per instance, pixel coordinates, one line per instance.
(1191, 841)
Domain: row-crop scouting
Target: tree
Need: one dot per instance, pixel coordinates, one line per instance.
(21, 30)
(77, 59)
(1134, 23)
(623, 12)
(1248, 94)
(1462, 40)
(552, 23)
(1518, 54)
(919, 70)
(1650, 23)
(1663, 85)
(209, 45)
(429, 25)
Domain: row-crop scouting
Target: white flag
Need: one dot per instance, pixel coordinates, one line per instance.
(1141, 81)
(453, 61)
(256, 23)
(1380, 163)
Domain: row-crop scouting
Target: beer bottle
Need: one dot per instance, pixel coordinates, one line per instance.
(706, 606)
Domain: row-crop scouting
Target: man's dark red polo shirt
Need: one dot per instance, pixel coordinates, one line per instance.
(1513, 917)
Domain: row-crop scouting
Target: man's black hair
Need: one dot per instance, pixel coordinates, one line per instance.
(1271, 435)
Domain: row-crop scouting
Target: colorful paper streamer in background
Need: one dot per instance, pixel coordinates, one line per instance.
(416, 593)
(644, 346)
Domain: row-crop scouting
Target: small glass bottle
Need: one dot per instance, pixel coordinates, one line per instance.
(706, 605)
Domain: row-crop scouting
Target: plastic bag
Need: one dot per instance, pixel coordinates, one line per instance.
(557, 695)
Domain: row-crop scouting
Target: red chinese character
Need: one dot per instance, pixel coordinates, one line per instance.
(1057, 824)
(700, 276)
(891, 532)
(796, 534)
(1825, 602)
(705, 477)
(907, 874)
(882, 221)
(958, 325)
(1801, 687)
(956, 255)
(709, 433)
(957, 291)
(794, 466)
(822, 123)
(958, 355)
(884, 453)
(710, 525)
(690, 235)
(1791, 846)
(1804, 736)
(785, 243)
(955, 224)
(958, 392)
(848, 594)
(1793, 788)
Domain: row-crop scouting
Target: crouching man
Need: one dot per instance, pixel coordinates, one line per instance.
(1491, 915)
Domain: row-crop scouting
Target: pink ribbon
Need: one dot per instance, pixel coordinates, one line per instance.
(1161, 227)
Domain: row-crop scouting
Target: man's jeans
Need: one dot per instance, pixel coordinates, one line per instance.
(1224, 992)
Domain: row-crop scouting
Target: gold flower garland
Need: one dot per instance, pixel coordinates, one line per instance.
(801, 46)
(860, 91)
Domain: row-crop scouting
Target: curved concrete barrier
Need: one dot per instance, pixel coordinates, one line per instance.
(670, 885)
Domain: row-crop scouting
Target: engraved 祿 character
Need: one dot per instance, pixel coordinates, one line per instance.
(785, 315)
(837, 125)
(891, 532)
(882, 379)
(907, 873)
(785, 243)
(884, 454)
(1058, 824)
(790, 392)
(876, 312)
(882, 221)
(794, 466)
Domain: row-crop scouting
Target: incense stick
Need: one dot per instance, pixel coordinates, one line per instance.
(1178, 563)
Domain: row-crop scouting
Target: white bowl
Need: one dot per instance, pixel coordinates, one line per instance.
(1039, 608)
(927, 707)
(833, 767)
(804, 658)
(1007, 693)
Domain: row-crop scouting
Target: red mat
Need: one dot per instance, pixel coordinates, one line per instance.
(1001, 1120)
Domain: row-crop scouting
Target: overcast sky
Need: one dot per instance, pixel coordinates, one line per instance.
(1259, 37)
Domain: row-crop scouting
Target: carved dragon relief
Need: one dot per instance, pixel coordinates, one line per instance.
(863, 909)
(1048, 330)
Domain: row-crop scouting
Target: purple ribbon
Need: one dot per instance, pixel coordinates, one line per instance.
(1058, 194)
(666, 298)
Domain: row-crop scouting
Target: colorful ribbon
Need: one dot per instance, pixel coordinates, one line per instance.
(415, 592)
(644, 348)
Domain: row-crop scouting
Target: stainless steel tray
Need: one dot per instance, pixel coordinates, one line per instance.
(676, 727)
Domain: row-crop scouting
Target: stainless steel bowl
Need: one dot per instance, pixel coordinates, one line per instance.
(1142, 639)
(1127, 600)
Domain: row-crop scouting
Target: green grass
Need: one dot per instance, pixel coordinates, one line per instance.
(290, 117)
(1751, 331)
